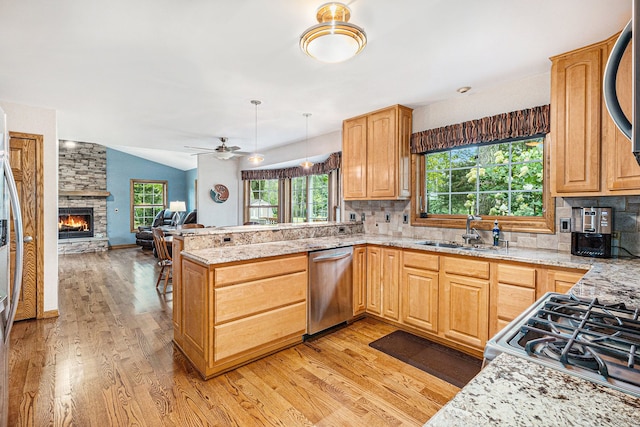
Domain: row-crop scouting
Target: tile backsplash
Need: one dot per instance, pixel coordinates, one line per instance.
(626, 210)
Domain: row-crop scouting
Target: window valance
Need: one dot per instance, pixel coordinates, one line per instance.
(333, 162)
(516, 124)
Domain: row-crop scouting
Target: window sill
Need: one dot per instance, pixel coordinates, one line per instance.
(540, 225)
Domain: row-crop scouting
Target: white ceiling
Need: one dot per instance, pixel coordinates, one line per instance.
(161, 74)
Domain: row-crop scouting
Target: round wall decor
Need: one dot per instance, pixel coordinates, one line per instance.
(219, 193)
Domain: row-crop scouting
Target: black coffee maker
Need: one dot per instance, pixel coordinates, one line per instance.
(592, 232)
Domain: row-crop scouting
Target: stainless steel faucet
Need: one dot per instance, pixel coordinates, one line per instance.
(468, 236)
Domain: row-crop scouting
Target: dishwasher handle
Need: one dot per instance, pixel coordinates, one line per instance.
(333, 257)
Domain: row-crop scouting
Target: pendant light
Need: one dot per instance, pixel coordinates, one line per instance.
(333, 39)
(256, 158)
(307, 164)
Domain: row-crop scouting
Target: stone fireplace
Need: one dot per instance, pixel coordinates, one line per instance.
(82, 188)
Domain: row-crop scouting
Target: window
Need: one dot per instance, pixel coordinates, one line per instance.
(147, 199)
(504, 181)
(310, 198)
(498, 179)
(263, 201)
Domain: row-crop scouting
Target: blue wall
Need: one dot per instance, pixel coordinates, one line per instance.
(121, 168)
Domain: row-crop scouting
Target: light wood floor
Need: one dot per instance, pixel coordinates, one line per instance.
(109, 360)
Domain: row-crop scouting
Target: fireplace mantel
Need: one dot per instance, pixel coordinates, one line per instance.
(84, 193)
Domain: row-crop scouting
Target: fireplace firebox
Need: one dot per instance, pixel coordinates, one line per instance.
(75, 223)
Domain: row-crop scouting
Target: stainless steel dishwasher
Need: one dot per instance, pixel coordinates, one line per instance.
(330, 288)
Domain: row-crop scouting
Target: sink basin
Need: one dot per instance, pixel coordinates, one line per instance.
(441, 244)
(473, 248)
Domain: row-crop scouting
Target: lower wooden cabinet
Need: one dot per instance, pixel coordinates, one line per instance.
(359, 280)
(464, 302)
(383, 277)
(562, 280)
(513, 290)
(391, 283)
(234, 313)
(420, 290)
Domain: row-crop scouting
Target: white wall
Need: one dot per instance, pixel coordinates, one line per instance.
(42, 121)
(212, 171)
(512, 96)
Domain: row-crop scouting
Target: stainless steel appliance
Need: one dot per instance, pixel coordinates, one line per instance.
(611, 71)
(596, 342)
(592, 233)
(330, 288)
(9, 292)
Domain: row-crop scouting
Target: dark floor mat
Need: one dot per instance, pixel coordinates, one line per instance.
(445, 363)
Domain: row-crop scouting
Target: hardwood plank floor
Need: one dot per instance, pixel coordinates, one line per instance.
(109, 360)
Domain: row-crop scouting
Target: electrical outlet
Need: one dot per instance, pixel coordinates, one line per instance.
(387, 217)
(405, 218)
(352, 216)
(362, 217)
(565, 225)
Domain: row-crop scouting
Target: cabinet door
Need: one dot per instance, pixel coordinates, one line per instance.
(623, 172)
(354, 158)
(196, 321)
(359, 280)
(562, 281)
(391, 283)
(176, 277)
(382, 155)
(420, 298)
(575, 120)
(374, 291)
(464, 313)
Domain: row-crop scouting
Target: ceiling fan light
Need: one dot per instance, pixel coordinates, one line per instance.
(333, 40)
(224, 155)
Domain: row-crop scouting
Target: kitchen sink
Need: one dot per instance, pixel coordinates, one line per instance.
(441, 244)
(454, 245)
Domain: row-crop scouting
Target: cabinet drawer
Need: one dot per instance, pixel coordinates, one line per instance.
(234, 338)
(259, 270)
(466, 267)
(513, 300)
(245, 299)
(517, 275)
(421, 260)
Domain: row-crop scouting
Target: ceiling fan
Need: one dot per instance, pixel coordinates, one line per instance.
(222, 151)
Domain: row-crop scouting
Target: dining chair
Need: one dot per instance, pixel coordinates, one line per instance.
(164, 258)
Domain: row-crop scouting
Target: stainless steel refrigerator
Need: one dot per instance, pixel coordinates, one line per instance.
(9, 289)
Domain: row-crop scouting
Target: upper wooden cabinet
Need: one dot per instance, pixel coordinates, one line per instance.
(589, 155)
(375, 155)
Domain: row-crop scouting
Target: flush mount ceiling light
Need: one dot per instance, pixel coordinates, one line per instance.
(333, 39)
(256, 158)
(463, 89)
(307, 164)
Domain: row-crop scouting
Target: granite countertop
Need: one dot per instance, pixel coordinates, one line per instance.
(509, 391)
(514, 392)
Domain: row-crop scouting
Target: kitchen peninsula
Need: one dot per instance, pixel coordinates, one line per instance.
(504, 385)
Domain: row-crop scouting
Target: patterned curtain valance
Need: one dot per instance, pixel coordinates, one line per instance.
(516, 124)
(332, 163)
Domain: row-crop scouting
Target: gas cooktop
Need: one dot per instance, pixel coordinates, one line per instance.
(581, 337)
